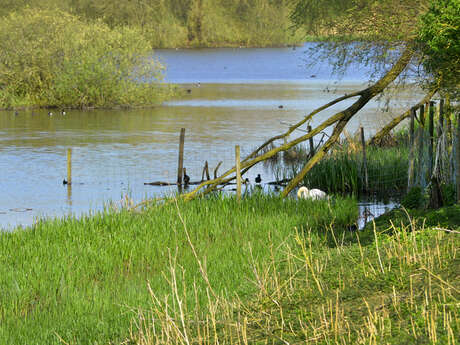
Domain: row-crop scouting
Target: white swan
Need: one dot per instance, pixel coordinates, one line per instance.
(314, 194)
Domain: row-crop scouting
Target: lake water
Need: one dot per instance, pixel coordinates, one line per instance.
(234, 99)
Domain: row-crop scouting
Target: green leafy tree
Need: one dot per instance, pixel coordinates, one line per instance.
(439, 37)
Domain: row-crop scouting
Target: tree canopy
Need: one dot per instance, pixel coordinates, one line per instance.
(439, 38)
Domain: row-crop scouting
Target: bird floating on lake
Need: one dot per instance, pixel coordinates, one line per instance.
(63, 112)
(258, 178)
(16, 113)
(186, 178)
(50, 113)
(314, 194)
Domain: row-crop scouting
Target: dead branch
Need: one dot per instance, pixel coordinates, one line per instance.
(340, 119)
(378, 137)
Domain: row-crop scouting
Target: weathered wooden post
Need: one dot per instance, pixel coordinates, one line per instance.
(312, 146)
(441, 126)
(69, 167)
(205, 171)
(410, 174)
(420, 142)
(238, 172)
(458, 158)
(217, 168)
(363, 143)
(181, 156)
(431, 133)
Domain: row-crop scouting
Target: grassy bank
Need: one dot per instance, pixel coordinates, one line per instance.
(445, 217)
(399, 286)
(81, 279)
(213, 271)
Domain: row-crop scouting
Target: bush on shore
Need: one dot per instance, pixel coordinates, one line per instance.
(49, 58)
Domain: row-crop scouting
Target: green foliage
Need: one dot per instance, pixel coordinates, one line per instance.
(375, 20)
(81, 278)
(413, 199)
(449, 194)
(439, 34)
(176, 23)
(52, 58)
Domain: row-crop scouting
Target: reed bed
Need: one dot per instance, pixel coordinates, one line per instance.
(81, 281)
(401, 288)
(342, 170)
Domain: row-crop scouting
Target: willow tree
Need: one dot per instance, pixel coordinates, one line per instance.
(382, 33)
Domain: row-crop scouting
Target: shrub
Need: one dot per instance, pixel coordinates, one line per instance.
(52, 58)
(413, 199)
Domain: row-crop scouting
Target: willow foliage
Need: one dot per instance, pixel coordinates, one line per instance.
(52, 58)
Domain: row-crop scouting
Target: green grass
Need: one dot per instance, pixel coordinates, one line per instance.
(445, 217)
(342, 172)
(209, 271)
(398, 289)
(80, 279)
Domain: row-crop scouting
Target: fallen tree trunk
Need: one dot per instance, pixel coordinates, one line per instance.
(340, 120)
(380, 135)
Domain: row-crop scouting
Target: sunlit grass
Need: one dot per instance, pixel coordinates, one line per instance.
(81, 278)
(398, 289)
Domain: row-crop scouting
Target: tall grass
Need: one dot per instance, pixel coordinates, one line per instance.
(399, 289)
(81, 279)
(342, 169)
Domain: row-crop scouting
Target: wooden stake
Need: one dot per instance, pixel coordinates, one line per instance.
(441, 118)
(431, 133)
(69, 166)
(363, 143)
(312, 146)
(181, 156)
(410, 174)
(458, 158)
(217, 168)
(205, 171)
(420, 142)
(238, 172)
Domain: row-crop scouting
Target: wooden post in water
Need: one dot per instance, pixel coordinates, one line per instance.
(205, 171)
(312, 146)
(458, 157)
(181, 156)
(69, 167)
(363, 143)
(410, 174)
(238, 172)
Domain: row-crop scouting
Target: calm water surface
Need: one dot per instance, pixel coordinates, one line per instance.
(235, 98)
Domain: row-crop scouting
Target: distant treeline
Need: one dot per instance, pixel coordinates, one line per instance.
(184, 23)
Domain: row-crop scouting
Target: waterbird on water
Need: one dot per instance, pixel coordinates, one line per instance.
(258, 178)
(186, 178)
(314, 194)
(63, 112)
(50, 113)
